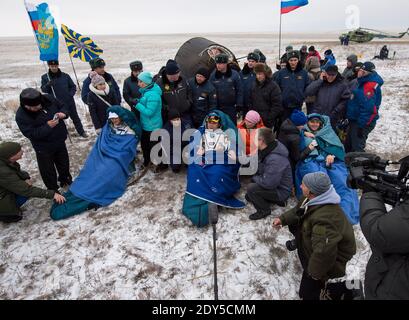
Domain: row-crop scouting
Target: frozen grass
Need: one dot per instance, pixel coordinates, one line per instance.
(142, 247)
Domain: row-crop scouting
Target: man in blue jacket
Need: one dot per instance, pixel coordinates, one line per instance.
(363, 108)
(292, 80)
(204, 96)
(98, 65)
(59, 83)
(248, 78)
(273, 181)
(229, 87)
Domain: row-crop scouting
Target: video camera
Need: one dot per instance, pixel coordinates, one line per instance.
(368, 171)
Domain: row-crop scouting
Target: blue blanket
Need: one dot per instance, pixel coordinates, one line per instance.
(338, 175)
(214, 177)
(104, 176)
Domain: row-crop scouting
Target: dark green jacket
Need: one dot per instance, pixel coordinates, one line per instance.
(12, 183)
(325, 239)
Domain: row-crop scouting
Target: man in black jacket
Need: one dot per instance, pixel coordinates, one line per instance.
(130, 91)
(248, 78)
(332, 95)
(59, 83)
(203, 95)
(273, 181)
(98, 65)
(175, 93)
(265, 96)
(387, 272)
(40, 119)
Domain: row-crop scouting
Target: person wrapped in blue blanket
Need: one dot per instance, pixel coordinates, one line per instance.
(213, 172)
(107, 169)
(321, 150)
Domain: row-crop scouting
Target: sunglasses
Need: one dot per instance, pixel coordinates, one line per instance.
(213, 120)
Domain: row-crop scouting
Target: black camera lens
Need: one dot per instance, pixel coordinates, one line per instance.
(291, 245)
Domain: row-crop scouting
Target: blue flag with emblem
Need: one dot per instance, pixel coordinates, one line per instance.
(80, 46)
(45, 30)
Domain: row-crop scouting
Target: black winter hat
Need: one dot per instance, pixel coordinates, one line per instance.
(331, 70)
(30, 97)
(97, 63)
(253, 56)
(53, 63)
(204, 72)
(173, 114)
(368, 66)
(222, 58)
(136, 65)
(9, 149)
(261, 55)
(293, 54)
(172, 67)
(311, 49)
(328, 52)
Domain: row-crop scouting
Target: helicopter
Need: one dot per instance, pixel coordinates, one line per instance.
(362, 35)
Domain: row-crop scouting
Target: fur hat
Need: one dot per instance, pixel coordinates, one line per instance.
(136, 65)
(30, 97)
(97, 63)
(293, 54)
(253, 56)
(96, 79)
(263, 68)
(222, 58)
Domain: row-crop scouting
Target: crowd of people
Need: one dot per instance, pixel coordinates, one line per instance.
(298, 123)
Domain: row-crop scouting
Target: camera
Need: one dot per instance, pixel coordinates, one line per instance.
(368, 171)
(291, 245)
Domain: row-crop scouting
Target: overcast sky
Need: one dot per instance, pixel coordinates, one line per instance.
(207, 16)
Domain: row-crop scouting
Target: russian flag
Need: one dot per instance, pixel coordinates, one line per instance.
(291, 5)
(34, 15)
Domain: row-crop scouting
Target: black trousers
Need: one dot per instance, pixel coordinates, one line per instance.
(311, 289)
(51, 162)
(76, 119)
(261, 198)
(146, 145)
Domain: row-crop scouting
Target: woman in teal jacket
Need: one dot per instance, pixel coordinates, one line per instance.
(150, 108)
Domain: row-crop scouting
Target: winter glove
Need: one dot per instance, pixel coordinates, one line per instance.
(50, 84)
(360, 133)
(134, 101)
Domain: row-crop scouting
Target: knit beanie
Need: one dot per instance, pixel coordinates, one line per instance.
(96, 79)
(298, 118)
(317, 182)
(146, 77)
(9, 149)
(253, 117)
(172, 68)
(203, 72)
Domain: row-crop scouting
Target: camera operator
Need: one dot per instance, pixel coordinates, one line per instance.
(387, 272)
(323, 236)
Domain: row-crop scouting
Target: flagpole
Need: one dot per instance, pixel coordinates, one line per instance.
(75, 72)
(279, 39)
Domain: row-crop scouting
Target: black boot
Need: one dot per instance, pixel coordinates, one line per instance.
(259, 215)
(11, 218)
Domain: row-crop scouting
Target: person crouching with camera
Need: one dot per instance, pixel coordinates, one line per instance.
(323, 236)
(387, 272)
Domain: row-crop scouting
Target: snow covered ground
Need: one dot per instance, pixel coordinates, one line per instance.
(142, 247)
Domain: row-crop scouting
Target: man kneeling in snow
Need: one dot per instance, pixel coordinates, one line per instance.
(15, 185)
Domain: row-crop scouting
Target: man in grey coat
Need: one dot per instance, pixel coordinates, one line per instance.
(332, 95)
(273, 181)
(387, 272)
